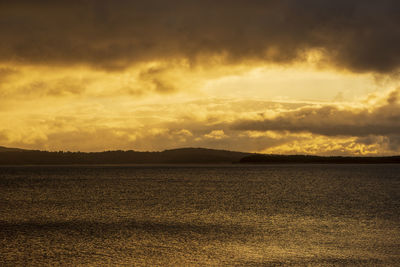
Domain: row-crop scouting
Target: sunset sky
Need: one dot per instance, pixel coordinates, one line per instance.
(273, 76)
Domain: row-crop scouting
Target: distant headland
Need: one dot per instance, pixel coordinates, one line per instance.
(16, 156)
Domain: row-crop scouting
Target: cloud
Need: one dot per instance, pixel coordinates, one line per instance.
(36, 88)
(389, 143)
(357, 35)
(216, 134)
(100, 127)
(6, 73)
(3, 136)
(365, 128)
(155, 78)
(147, 79)
(332, 120)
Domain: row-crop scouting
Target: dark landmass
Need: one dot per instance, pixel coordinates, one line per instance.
(15, 156)
(278, 159)
(174, 156)
(9, 149)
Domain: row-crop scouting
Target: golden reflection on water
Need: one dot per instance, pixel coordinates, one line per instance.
(314, 215)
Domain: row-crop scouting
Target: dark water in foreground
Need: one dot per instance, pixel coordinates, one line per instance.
(314, 215)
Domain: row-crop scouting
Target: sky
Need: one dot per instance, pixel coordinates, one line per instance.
(314, 77)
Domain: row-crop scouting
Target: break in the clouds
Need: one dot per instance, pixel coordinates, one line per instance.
(357, 35)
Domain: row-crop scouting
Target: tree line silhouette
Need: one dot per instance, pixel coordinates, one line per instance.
(174, 156)
(263, 159)
(186, 155)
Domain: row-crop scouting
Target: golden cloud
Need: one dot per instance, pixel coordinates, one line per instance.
(220, 126)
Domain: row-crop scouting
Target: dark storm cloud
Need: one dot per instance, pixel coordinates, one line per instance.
(359, 35)
(329, 120)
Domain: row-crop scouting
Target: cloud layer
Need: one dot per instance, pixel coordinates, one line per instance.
(367, 122)
(357, 35)
(369, 128)
(331, 120)
(92, 75)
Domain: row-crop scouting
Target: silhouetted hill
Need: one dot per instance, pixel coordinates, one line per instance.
(202, 155)
(15, 156)
(9, 149)
(276, 159)
(174, 156)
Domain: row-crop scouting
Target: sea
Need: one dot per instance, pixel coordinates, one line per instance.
(200, 215)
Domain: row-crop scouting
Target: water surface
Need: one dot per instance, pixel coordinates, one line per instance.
(233, 215)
